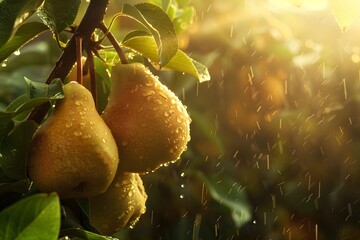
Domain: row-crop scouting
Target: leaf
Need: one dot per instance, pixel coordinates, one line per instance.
(180, 62)
(159, 25)
(13, 13)
(37, 94)
(182, 3)
(21, 186)
(345, 12)
(6, 124)
(24, 33)
(58, 15)
(13, 150)
(35, 217)
(184, 18)
(75, 232)
(228, 193)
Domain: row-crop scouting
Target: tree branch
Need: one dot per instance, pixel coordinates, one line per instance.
(92, 19)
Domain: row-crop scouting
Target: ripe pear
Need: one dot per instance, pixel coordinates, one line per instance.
(73, 152)
(120, 206)
(149, 123)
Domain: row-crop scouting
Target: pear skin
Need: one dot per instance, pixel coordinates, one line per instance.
(149, 123)
(73, 152)
(120, 206)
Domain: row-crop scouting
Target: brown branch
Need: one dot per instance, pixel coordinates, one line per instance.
(79, 69)
(92, 19)
(114, 42)
(92, 73)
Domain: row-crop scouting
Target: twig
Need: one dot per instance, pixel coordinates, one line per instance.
(114, 42)
(92, 73)
(79, 69)
(92, 19)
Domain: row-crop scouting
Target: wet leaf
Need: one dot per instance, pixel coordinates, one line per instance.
(159, 25)
(345, 11)
(13, 13)
(34, 217)
(82, 234)
(6, 124)
(13, 152)
(58, 15)
(180, 62)
(24, 33)
(228, 193)
(37, 94)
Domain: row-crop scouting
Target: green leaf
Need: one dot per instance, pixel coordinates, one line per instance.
(183, 19)
(228, 193)
(37, 94)
(180, 62)
(14, 148)
(345, 11)
(159, 25)
(58, 15)
(13, 13)
(25, 33)
(6, 124)
(35, 217)
(75, 232)
(21, 186)
(182, 3)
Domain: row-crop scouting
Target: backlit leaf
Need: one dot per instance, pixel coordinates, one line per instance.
(34, 217)
(345, 11)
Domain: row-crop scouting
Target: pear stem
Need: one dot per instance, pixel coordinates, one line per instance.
(93, 82)
(114, 42)
(79, 51)
(93, 17)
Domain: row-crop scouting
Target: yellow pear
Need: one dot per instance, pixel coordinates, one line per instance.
(149, 123)
(73, 152)
(120, 206)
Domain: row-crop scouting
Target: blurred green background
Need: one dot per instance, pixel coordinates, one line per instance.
(275, 134)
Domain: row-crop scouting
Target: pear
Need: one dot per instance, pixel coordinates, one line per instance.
(149, 123)
(120, 206)
(73, 152)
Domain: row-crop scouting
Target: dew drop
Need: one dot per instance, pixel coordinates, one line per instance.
(178, 119)
(104, 140)
(163, 95)
(92, 123)
(68, 125)
(167, 114)
(148, 93)
(77, 133)
(78, 102)
(130, 193)
(158, 101)
(87, 136)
